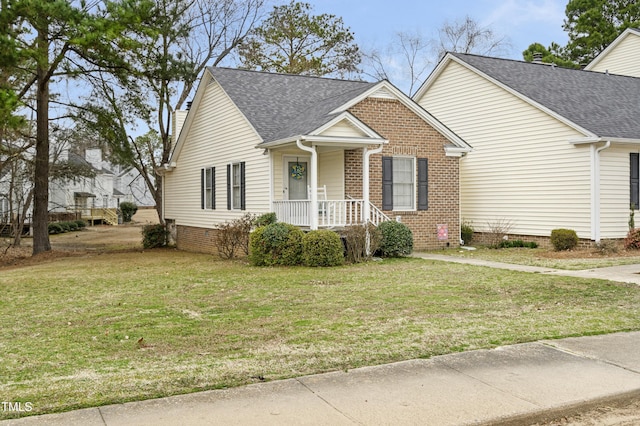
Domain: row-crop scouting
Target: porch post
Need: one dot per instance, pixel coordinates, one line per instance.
(313, 183)
(366, 210)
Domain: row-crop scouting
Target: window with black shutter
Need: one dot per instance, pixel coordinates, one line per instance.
(634, 168)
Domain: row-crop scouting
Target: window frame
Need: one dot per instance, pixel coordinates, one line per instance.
(397, 184)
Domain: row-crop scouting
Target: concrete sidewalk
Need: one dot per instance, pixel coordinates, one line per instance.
(512, 385)
(624, 273)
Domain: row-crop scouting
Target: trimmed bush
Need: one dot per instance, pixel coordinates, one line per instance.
(81, 224)
(397, 239)
(466, 232)
(276, 244)
(517, 244)
(632, 241)
(154, 236)
(322, 248)
(265, 219)
(564, 239)
(55, 228)
(128, 210)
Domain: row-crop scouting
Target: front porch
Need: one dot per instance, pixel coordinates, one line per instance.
(330, 213)
(314, 187)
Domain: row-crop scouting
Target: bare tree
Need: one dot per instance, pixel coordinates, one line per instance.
(407, 58)
(468, 36)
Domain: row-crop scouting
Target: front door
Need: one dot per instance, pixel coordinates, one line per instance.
(297, 172)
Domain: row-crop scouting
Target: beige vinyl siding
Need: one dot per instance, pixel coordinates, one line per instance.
(523, 169)
(624, 59)
(344, 129)
(218, 135)
(615, 195)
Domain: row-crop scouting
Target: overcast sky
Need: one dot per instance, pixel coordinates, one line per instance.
(522, 22)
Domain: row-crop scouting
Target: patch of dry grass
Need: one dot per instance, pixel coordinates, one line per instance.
(117, 327)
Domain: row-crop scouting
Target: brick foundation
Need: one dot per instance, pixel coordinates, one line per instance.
(199, 240)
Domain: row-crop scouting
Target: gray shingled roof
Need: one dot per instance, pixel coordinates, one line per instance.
(606, 105)
(280, 106)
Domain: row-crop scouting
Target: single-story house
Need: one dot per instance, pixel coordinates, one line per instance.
(319, 152)
(552, 147)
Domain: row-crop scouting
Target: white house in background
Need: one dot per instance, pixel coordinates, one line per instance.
(553, 147)
(110, 185)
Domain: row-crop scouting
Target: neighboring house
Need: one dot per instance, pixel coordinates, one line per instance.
(320, 153)
(108, 186)
(552, 147)
(620, 57)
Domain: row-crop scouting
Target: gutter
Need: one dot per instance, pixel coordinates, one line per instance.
(595, 189)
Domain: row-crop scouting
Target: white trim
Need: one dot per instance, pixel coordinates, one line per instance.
(626, 33)
(449, 57)
(344, 142)
(347, 116)
(583, 141)
(414, 175)
(595, 190)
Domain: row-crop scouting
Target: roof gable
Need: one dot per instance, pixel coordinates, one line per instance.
(597, 104)
(281, 105)
(629, 32)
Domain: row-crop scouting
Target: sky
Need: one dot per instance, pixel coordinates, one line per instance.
(522, 22)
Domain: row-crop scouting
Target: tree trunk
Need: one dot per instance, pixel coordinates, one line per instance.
(41, 241)
(157, 196)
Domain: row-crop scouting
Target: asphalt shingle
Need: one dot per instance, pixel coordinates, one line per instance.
(281, 105)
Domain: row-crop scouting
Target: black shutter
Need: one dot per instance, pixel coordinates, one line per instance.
(202, 189)
(423, 184)
(242, 187)
(387, 183)
(213, 188)
(228, 186)
(635, 180)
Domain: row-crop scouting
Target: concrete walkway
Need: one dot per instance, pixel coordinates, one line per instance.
(625, 273)
(512, 385)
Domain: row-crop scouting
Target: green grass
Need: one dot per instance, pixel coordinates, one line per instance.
(584, 259)
(70, 327)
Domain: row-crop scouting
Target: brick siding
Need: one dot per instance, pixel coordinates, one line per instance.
(409, 135)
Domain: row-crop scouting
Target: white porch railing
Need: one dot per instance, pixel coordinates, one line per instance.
(331, 213)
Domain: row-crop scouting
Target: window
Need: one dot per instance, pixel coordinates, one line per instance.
(208, 188)
(236, 186)
(399, 186)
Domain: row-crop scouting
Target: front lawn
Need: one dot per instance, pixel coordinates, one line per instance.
(117, 327)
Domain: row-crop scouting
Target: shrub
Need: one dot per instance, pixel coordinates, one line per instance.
(66, 227)
(154, 236)
(498, 229)
(356, 242)
(55, 228)
(276, 244)
(397, 239)
(632, 241)
(466, 232)
(81, 224)
(234, 235)
(517, 244)
(265, 219)
(564, 239)
(322, 248)
(606, 247)
(128, 210)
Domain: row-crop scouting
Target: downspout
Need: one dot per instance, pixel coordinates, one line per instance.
(595, 190)
(366, 211)
(313, 174)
